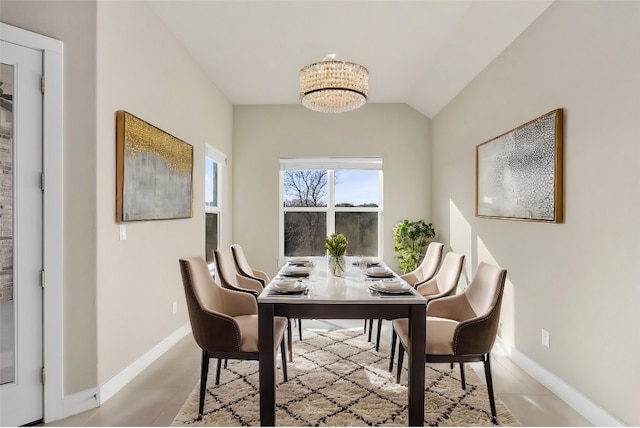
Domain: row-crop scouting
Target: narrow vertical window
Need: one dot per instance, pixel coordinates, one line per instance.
(214, 162)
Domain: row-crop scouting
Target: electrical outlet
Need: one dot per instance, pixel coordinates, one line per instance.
(123, 232)
(175, 308)
(545, 337)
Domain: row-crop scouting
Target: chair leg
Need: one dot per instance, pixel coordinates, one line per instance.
(462, 378)
(400, 361)
(394, 337)
(370, 328)
(378, 336)
(289, 339)
(204, 370)
(283, 354)
(300, 328)
(492, 401)
(365, 326)
(225, 363)
(218, 371)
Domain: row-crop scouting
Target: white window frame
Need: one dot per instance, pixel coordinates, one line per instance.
(330, 165)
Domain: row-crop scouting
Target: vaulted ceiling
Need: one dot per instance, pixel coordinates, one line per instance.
(422, 53)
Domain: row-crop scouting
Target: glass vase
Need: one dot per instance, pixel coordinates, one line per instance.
(337, 265)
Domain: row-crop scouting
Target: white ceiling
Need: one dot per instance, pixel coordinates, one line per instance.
(422, 53)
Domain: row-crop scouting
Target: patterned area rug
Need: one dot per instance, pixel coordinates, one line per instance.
(338, 379)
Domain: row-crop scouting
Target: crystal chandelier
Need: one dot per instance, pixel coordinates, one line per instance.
(333, 86)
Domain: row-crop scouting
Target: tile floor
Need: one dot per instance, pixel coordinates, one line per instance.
(156, 395)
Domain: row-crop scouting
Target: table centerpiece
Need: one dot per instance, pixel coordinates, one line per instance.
(336, 245)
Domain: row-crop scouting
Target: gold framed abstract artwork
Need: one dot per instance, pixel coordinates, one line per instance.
(519, 174)
(154, 172)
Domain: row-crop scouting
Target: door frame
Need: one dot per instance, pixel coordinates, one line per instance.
(52, 118)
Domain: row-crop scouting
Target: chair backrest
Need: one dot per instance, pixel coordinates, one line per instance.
(241, 263)
(484, 292)
(203, 296)
(225, 269)
(202, 292)
(445, 282)
(229, 277)
(431, 261)
(484, 299)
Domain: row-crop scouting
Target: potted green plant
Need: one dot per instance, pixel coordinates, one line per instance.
(336, 245)
(411, 241)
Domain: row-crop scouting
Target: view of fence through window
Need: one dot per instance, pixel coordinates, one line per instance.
(320, 202)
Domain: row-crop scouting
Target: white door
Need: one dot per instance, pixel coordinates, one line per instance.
(21, 253)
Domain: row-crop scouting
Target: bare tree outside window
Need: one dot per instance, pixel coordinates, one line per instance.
(304, 233)
(361, 230)
(305, 188)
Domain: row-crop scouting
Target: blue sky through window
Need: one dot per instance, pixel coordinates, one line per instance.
(357, 187)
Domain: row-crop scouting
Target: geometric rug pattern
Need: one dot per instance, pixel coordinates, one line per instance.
(338, 379)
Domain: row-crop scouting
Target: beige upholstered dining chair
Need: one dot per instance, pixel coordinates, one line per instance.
(224, 323)
(244, 268)
(229, 277)
(424, 272)
(443, 284)
(462, 328)
(428, 267)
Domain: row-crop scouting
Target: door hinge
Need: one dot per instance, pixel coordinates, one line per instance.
(42, 84)
(42, 181)
(43, 376)
(42, 278)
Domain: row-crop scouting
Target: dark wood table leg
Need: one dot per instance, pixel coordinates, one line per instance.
(267, 365)
(417, 328)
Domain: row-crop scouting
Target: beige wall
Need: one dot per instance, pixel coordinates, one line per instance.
(264, 134)
(143, 70)
(74, 23)
(578, 280)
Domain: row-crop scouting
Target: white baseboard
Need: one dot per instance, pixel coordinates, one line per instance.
(119, 380)
(79, 402)
(574, 398)
(94, 397)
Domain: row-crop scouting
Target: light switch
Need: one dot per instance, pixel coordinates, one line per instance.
(545, 338)
(123, 232)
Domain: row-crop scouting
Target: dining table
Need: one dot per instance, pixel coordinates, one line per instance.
(358, 293)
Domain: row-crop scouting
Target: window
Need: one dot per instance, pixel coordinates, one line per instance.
(323, 196)
(214, 162)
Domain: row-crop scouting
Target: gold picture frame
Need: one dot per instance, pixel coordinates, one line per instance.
(154, 172)
(519, 174)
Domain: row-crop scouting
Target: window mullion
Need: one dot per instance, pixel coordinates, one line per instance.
(331, 202)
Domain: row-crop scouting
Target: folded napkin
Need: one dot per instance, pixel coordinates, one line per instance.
(379, 272)
(301, 264)
(285, 283)
(299, 268)
(393, 284)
